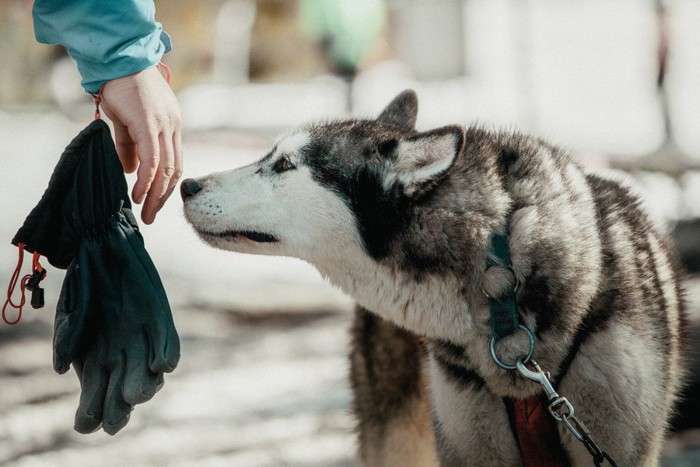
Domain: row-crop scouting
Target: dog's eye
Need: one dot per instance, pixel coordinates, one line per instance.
(282, 165)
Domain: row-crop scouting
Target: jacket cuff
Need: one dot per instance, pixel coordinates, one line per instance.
(108, 39)
(129, 58)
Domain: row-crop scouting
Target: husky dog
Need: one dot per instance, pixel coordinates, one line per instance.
(402, 221)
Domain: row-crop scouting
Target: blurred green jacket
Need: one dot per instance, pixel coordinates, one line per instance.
(107, 38)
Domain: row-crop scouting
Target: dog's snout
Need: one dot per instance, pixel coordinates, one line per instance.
(189, 187)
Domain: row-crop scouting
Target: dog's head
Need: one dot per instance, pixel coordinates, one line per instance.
(326, 188)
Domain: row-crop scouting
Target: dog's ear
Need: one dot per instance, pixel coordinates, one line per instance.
(419, 161)
(402, 110)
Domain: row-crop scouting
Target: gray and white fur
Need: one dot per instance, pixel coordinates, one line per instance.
(402, 221)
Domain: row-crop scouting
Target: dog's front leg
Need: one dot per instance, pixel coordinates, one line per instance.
(391, 399)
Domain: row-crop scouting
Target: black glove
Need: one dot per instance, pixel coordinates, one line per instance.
(113, 320)
(114, 324)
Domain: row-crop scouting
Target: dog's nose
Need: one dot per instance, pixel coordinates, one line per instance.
(189, 187)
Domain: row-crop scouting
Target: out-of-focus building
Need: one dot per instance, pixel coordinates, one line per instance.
(24, 64)
(585, 74)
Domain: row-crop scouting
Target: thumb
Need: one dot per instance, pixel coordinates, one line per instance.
(126, 148)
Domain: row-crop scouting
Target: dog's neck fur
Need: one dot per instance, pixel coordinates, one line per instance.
(429, 306)
(444, 308)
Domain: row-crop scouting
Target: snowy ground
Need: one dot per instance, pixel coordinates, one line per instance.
(262, 381)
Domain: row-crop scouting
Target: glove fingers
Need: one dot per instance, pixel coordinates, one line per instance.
(93, 386)
(165, 345)
(116, 410)
(165, 348)
(140, 383)
(160, 382)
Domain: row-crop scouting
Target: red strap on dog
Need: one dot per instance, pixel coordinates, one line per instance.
(536, 433)
(38, 273)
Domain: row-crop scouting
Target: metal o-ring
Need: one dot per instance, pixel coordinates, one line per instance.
(528, 356)
(515, 277)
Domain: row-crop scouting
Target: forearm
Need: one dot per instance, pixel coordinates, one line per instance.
(108, 38)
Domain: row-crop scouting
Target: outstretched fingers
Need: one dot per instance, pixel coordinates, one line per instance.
(149, 160)
(165, 176)
(126, 148)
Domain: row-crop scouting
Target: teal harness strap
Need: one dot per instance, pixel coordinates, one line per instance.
(504, 316)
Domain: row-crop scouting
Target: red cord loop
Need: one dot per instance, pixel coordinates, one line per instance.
(97, 99)
(11, 289)
(38, 273)
(162, 67)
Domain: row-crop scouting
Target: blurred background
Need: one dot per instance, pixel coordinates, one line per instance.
(262, 381)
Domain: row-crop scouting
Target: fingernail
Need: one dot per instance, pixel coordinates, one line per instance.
(139, 200)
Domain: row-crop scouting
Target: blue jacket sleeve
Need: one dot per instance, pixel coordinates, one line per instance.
(107, 38)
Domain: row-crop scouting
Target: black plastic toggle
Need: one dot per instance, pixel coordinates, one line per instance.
(37, 276)
(37, 292)
(37, 298)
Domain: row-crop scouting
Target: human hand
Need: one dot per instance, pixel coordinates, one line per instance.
(147, 131)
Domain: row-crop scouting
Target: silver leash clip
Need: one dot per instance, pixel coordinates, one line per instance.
(537, 376)
(562, 410)
(560, 407)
